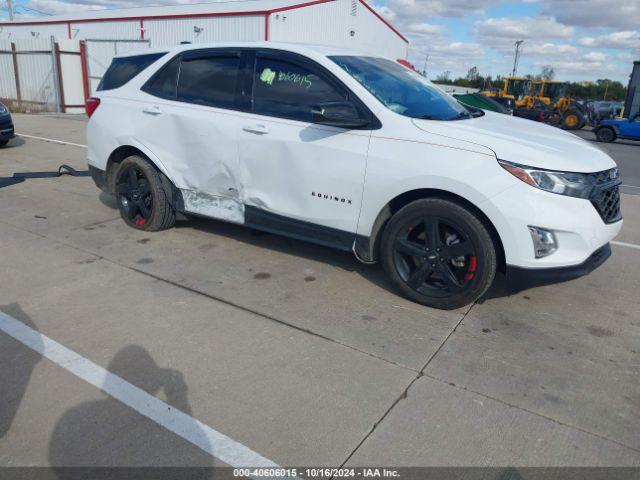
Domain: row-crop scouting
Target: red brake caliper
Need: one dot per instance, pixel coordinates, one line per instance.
(473, 264)
(141, 221)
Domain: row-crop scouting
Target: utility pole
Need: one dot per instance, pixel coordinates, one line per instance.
(10, 8)
(424, 70)
(516, 58)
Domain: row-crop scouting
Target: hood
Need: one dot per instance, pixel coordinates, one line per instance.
(525, 142)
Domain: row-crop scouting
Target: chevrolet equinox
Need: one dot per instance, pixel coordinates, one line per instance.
(355, 152)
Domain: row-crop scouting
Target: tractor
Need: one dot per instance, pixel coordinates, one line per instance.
(516, 94)
(567, 113)
(541, 100)
(514, 88)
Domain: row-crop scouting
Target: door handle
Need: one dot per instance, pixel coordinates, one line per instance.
(155, 110)
(258, 129)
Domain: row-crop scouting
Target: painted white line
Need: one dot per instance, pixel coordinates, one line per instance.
(628, 245)
(629, 186)
(194, 431)
(59, 142)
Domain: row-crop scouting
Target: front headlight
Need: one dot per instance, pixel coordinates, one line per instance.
(3, 109)
(563, 183)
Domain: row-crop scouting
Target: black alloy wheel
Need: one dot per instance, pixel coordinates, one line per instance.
(135, 196)
(438, 253)
(435, 257)
(145, 195)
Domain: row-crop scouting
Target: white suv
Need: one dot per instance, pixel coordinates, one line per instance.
(353, 152)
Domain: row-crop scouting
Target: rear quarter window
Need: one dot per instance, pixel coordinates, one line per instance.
(122, 70)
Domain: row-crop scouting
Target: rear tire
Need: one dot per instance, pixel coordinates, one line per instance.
(144, 199)
(605, 134)
(3, 143)
(438, 253)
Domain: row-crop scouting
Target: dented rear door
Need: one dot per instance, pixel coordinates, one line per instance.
(195, 135)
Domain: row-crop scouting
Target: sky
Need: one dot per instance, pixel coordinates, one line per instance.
(580, 39)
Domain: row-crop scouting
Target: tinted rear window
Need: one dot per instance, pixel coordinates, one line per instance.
(122, 70)
(209, 80)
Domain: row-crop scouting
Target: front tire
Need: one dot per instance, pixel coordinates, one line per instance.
(144, 199)
(606, 135)
(572, 120)
(438, 253)
(3, 143)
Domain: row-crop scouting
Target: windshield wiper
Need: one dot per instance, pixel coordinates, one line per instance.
(461, 115)
(427, 117)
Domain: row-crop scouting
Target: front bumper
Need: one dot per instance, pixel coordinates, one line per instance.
(518, 278)
(578, 227)
(6, 129)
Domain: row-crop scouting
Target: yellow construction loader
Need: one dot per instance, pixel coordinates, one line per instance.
(514, 88)
(566, 112)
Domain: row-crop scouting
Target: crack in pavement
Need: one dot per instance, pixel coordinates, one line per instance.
(405, 393)
(524, 409)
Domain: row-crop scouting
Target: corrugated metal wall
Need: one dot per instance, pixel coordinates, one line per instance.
(109, 30)
(344, 23)
(24, 31)
(35, 67)
(373, 36)
(7, 78)
(203, 29)
(71, 68)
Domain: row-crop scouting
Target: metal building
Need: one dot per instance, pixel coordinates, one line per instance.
(632, 102)
(347, 23)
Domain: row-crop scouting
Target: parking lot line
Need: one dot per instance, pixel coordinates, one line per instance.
(60, 142)
(211, 441)
(624, 244)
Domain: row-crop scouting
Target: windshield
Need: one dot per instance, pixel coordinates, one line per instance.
(518, 88)
(402, 90)
(555, 90)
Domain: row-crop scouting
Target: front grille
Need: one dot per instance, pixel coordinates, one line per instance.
(606, 195)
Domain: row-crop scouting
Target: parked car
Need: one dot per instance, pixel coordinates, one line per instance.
(6, 125)
(626, 128)
(354, 152)
(477, 100)
(603, 110)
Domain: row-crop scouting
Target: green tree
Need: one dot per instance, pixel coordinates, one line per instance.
(547, 72)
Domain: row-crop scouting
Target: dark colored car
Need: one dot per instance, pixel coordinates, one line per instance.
(627, 128)
(6, 125)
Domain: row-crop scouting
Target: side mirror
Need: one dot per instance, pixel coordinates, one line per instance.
(338, 114)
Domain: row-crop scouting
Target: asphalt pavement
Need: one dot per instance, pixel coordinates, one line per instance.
(211, 344)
